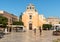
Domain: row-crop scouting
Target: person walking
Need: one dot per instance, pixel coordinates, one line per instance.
(40, 30)
(35, 31)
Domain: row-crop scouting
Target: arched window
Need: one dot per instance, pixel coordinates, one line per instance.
(27, 7)
(30, 16)
(30, 7)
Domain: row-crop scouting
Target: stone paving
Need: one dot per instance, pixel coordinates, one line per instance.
(29, 36)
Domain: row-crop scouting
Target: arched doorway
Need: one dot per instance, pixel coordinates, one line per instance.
(30, 26)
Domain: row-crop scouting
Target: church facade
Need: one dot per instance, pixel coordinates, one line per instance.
(32, 19)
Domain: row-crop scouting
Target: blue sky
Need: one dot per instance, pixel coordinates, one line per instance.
(46, 7)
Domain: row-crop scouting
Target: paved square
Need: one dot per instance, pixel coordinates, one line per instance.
(29, 36)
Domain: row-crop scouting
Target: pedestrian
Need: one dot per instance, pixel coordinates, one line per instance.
(35, 31)
(40, 30)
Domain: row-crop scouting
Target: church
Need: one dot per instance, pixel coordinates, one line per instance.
(32, 19)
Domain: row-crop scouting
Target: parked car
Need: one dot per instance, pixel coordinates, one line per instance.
(56, 32)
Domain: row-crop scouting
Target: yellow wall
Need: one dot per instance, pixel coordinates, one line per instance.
(36, 20)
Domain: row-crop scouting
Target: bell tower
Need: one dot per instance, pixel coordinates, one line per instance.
(31, 7)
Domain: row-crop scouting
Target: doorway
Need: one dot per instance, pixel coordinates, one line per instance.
(30, 26)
